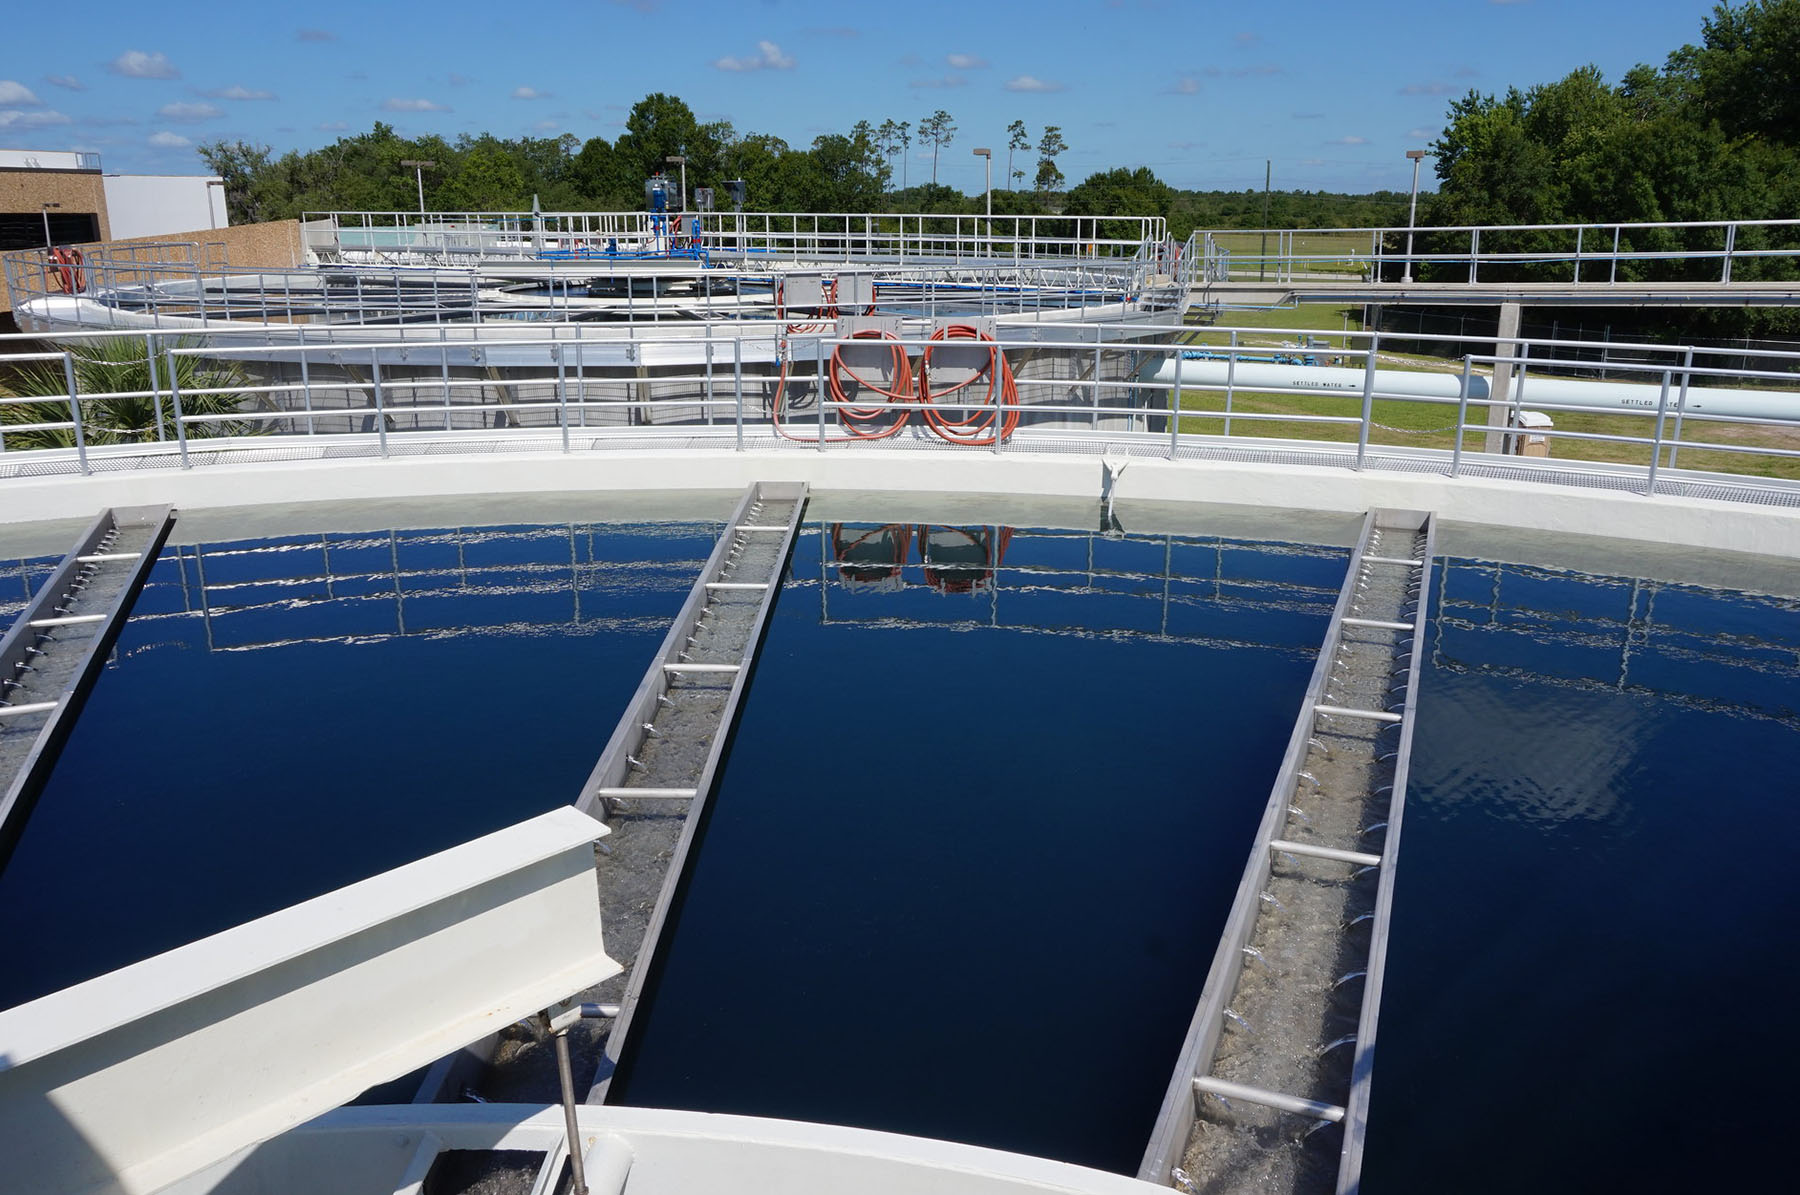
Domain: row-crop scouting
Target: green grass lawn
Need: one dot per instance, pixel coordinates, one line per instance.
(1431, 425)
(1330, 252)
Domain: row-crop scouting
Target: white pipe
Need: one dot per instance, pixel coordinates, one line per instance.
(1539, 390)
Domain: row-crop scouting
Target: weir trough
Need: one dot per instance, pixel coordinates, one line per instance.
(54, 650)
(664, 755)
(1271, 1090)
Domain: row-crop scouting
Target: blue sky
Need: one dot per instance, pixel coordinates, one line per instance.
(1200, 92)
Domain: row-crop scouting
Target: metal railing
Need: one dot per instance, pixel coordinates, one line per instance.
(127, 289)
(1082, 387)
(1716, 252)
(792, 236)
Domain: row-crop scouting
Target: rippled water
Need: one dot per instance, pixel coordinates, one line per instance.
(287, 716)
(1587, 988)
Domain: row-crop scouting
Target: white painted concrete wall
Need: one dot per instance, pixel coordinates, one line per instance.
(1521, 506)
(137, 1078)
(156, 205)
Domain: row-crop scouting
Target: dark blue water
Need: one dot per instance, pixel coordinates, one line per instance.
(322, 710)
(1590, 977)
(973, 846)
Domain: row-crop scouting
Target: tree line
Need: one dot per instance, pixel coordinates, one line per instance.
(840, 172)
(1712, 134)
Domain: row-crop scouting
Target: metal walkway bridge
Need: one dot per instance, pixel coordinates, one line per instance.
(1727, 263)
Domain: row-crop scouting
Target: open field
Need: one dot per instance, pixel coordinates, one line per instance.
(1331, 252)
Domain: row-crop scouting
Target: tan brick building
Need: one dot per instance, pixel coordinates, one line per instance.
(66, 189)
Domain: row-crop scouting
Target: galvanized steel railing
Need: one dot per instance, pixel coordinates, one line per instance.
(1715, 251)
(766, 235)
(1080, 386)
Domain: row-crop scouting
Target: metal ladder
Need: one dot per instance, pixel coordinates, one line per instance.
(51, 655)
(1281, 1046)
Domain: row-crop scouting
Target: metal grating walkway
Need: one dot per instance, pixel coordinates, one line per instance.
(665, 753)
(1271, 1091)
(53, 651)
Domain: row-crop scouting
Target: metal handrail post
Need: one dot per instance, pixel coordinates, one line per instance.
(1175, 406)
(1462, 415)
(562, 393)
(1662, 407)
(1230, 381)
(155, 386)
(380, 410)
(175, 401)
(581, 403)
(306, 380)
(1730, 247)
(737, 369)
(1368, 401)
(1687, 376)
(819, 384)
(444, 365)
(1614, 277)
(75, 411)
(1474, 254)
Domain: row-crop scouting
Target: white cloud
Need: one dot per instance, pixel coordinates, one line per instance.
(188, 112)
(12, 119)
(1422, 134)
(965, 62)
(939, 82)
(531, 93)
(1186, 85)
(69, 82)
(545, 126)
(1351, 140)
(17, 95)
(457, 80)
(315, 35)
(333, 126)
(397, 104)
(238, 91)
(135, 64)
(1032, 83)
(1432, 88)
(768, 56)
(168, 140)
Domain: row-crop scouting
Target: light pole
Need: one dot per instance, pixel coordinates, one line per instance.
(1412, 212)
(420, 166)
(987, 163)
(681, 161)
(46, 210)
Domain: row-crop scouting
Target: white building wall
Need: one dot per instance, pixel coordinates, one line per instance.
(155, 205)
(48, 159)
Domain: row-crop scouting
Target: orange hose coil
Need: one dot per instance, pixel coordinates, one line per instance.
(973, 428)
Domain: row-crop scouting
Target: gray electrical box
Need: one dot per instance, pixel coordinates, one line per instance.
(703, 199)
